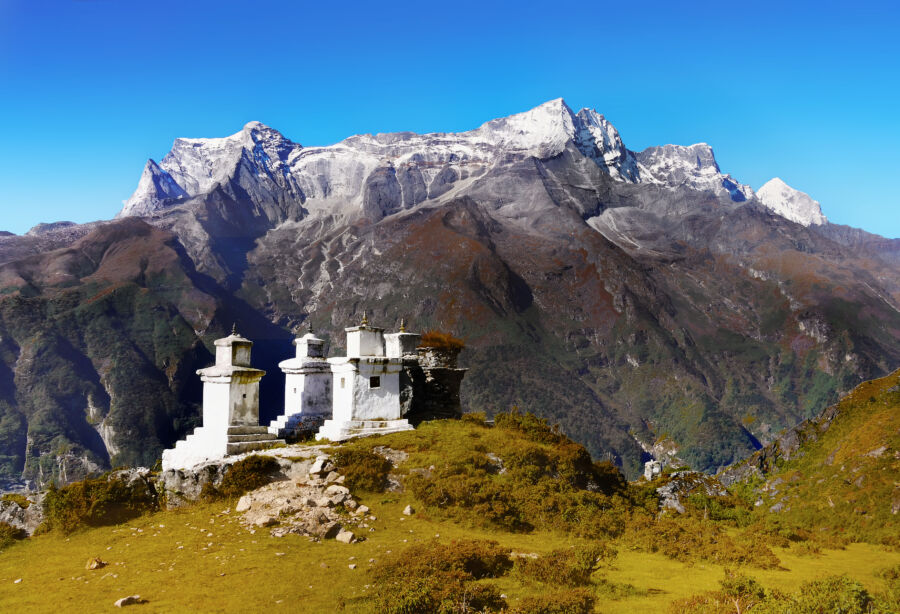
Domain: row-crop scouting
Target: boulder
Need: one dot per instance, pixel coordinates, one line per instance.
(243, 504)
(129, 600)
(345, 536)
(321, 466)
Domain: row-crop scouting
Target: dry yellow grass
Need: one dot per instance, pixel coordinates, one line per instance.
(202, 560)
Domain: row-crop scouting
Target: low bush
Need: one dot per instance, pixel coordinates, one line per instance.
(465, 490)
(96, 502)
(570, 567)
(441, 578)
(687, 538)
(475, 417)
(786, 534)
(891, 597)
(534, 428)
(743, 594)
(526, 478)
(243, 476)
(578, 601)
(730, 509)
(441, 341)
(834, 594)
(363, 469)
(10, 534)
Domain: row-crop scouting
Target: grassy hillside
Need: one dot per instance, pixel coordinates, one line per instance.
(513, 517)
(836, 474)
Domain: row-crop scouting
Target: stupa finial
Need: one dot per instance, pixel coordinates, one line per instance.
(402, 325)
(233, 328)
(309, 326)
(365, 318)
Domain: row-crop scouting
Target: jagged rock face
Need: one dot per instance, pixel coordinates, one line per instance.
(694, 167)
(624, 296)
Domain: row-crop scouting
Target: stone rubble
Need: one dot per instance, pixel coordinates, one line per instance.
(313, 502)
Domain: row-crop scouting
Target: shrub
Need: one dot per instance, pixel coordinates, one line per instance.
(363, 469)
(10, 534)
(577, 601)
(834, 594)
(742, 594)
(730, 509)
(890, 599)
(608, 478)
(743, 591)
(475, 417)
(464, 488)
(571, 567)
(96, 502)
(533, 485)
(688, 538)
(243, 476)
(534, 428)
(441, 341)
(434, 577)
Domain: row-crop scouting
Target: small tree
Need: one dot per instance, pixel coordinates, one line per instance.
(743, 591)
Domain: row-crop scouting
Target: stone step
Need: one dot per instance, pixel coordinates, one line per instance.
(343, 430)
(250, 446)
(246, 430)
(277, 424)
(266, 436)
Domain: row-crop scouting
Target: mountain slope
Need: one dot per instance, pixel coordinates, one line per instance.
(632, 297)
(837, 471)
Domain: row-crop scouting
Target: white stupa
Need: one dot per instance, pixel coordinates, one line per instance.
(366, 384)
(307, 388)
(230, 409)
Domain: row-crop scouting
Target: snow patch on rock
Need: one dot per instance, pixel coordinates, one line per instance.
(791, 204)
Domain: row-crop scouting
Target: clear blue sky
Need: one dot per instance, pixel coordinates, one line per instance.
(90, 89)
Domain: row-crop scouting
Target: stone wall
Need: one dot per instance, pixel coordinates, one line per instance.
(429, 392)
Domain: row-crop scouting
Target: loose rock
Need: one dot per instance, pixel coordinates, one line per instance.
(130, 600)
(346, 537)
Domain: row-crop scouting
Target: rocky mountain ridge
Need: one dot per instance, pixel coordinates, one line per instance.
(412, 167)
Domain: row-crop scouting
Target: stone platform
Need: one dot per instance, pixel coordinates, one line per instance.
(203, 445)
(249, 438)
(292, 427)
(341, 430)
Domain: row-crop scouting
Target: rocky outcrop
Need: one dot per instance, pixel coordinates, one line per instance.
(786, 447)
(305, 497)
(23, 512)
(682, 484)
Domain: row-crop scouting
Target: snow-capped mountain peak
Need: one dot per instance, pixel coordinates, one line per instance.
(693, 166)
(790, 203)
(543, 131)
(384, 173)
(155, 190)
